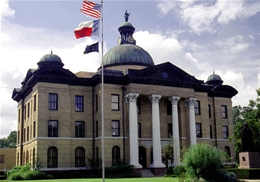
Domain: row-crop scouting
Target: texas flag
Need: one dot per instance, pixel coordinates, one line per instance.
(87, 28)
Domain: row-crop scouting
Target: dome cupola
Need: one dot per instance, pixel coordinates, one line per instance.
(50, 60)
(127, 52)
(214, 79)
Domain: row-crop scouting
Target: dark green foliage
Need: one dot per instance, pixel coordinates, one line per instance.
(204, 161)
(24, 173)
(178, 170)
(120, 171)
(247, 115)
(251, 173)
(169, 172)
(10, 141)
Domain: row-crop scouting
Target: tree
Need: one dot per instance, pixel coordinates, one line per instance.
(247, 115)
(10, 141)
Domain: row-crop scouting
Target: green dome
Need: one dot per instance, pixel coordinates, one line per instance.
(127, 54)
(50, 60)
(214, 77)
(51, 57)
(126, 24)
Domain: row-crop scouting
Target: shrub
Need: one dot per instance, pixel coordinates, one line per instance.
(178, 170)
(204, 161)
(169, 171)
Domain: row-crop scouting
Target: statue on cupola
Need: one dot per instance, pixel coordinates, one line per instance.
(126, 30)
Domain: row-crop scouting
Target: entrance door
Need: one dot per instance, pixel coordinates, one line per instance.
(142, 156)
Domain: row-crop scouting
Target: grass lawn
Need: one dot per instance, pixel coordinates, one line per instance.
(154, 179)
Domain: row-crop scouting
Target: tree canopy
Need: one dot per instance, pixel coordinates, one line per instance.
(247, 115)
(10, 141)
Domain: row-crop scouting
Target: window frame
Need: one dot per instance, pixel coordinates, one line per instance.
(52, 157)
(116, 160)
(198, 130)
(52, 131)
(80, 157)
(197, 108)
(115, 102)
(53, 101)
(80, 132)
(115, 130)
(224, 111)
(225, 132)
(79, 103)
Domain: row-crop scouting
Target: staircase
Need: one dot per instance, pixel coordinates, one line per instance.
(146, 173)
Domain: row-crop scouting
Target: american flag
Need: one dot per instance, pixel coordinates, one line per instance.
(91, 9)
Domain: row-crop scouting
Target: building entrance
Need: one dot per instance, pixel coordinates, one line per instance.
(142, 156)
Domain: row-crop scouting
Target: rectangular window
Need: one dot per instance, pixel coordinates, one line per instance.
(138, 106)
(28, 112)
(19, 115)
(209, 110)
(34, 129)
(27, 139)
(96, 128)
(224, 111)
(114, 102)
(53, 101)
(79, 129)
(197, 108)
(169, 107)
(79, 103)
(210, 131)
(169, 130)
(198, 130)
(34, 103)
(18, 137)
(225, 132)
(24, 112)
(24, 134)
(96, 102)
(115, 128)
(139, 130)
(53, 128)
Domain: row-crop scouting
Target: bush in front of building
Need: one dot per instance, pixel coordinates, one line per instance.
(121, 171)
(203, 161)
(25, 173)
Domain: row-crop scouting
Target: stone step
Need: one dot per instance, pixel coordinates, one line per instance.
(147, 173)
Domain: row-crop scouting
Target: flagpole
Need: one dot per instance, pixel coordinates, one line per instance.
(102, 97)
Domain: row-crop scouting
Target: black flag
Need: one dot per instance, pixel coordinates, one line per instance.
(91, 48)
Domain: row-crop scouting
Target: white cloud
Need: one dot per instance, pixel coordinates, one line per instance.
(5, 10)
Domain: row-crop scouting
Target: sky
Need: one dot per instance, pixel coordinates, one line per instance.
(198, 36)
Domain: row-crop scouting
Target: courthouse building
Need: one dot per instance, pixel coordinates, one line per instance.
(146, 106)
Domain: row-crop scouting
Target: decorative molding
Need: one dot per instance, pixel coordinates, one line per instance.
(190, 101)
(131, 97)
(174, 100)
(155, 98)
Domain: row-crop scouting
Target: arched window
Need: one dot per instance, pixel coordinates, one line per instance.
(33, 157)
(116, 156)
(80, 157)
(227, 150)
(52, 156)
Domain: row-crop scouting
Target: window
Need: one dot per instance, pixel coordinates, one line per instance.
(27, 138)
(97, 157)
(24, 134)
(52, 158)
(79, 103)
(80, 157)
(139, 130)
(224, 111)
(209, 110)
(96, 102)
(34, 103)
(33, 158)
(96, 128)
(197, 108)
(210, 131)
(138, 106)
(28, 112)
(114, 102)
(18, 137)
(169, 107)
(24, 112)
(34, 129)
(19, 115)
(53, 128)
(198, 130)
(79, 129)
(115, 128)
(169, 130)
(116, 156)
(53, 101)
(225, 132)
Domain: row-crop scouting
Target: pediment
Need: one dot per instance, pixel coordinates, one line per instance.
(164, 74)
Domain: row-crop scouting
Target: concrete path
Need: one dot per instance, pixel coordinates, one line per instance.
(146, 173)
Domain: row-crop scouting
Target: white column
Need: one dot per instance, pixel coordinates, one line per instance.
(157, 154)
(191, 104)
(133, 129)
(175, 130)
